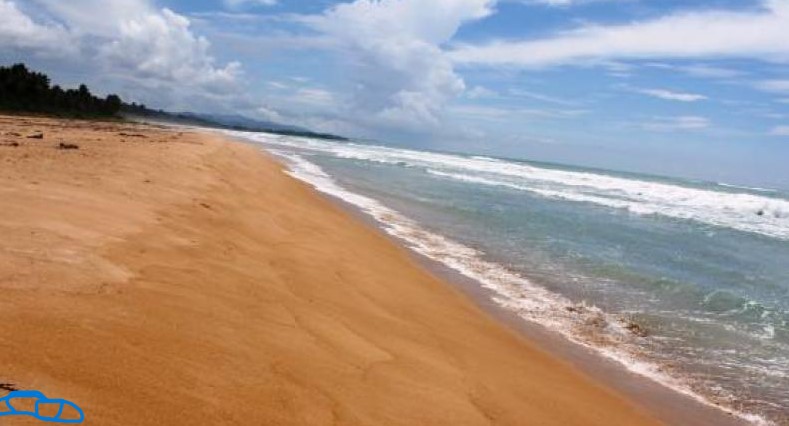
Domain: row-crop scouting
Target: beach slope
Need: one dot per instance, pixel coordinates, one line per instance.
(159, 277)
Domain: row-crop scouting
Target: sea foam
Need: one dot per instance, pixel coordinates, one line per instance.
(759, 213)
(584, 325)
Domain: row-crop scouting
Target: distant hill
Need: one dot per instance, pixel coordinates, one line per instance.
(241, 121)
(26, 91)
(222, 121)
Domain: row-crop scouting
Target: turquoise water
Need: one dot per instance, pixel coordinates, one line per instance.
(684, 282)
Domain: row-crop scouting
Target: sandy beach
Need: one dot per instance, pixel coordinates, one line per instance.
(158, 277)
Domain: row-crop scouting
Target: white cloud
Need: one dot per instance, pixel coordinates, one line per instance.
(315, 97)
(775, 86)
(540, 97)
(402, 76)
(701, 34)
(780, 131)
(551, 2)
(560, 3)
(95, 17)
(506, 114)
(479, 92)
(18, 31)
(672, 96)
(293, 101)
(269, 114)
(236, 4)
(161, 46)
(129, 39)
(278, 85)
(776, 116)
(707, 71)
(681, 123)
(699, 70)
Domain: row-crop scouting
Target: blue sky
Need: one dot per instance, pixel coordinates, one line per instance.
(697, 89)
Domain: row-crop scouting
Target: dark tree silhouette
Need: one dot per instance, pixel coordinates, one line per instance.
(22, 90)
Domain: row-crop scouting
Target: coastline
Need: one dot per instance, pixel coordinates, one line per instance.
(182, 277)
(665, 403)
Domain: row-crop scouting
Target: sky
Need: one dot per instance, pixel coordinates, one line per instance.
(694, 89)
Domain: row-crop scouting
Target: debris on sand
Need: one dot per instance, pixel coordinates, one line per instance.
(636, 329)
(67, 146)
(36, 136)
(8, 387)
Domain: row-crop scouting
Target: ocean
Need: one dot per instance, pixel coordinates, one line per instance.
(685, 282)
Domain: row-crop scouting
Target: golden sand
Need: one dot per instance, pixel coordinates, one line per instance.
(156, 277)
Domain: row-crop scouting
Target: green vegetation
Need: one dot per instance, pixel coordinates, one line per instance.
(207, 120)
(25, 91)
(22, 90)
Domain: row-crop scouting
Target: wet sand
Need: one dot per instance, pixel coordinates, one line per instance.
(154, 276)
(664, 403)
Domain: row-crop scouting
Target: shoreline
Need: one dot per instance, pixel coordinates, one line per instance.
(666, 403)
(160, 276)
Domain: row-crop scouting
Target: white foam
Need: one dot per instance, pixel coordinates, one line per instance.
(749, 188)
(512, 291)
(761, 214)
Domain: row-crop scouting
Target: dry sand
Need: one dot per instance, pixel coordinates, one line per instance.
(157, 277)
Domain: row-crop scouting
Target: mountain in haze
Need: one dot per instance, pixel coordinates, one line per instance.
(236, 120)
(221, 121)
(25, 91)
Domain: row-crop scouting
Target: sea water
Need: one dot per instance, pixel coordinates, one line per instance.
(684, 282)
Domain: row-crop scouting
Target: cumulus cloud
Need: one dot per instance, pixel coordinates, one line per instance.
(711, 33)
(19, 32)
(95, 17)
(161, 46)
(401, 74)
(672, 96)
(127, 38)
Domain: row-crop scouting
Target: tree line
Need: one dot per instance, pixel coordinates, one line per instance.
(26, 91)
(22, 90)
